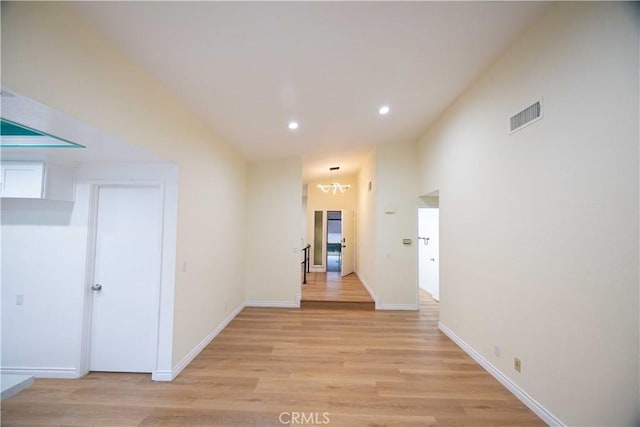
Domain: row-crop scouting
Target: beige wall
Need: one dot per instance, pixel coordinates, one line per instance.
(539, 229)
(317, 200)
(273, 271)
(366, 224)
(396, 269)
(50, 55)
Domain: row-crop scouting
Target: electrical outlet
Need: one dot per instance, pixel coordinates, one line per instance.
(496, 350)
(517, 364)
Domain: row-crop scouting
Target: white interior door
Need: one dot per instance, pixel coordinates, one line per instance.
(429, 251)
(348, 242)
(127, 279)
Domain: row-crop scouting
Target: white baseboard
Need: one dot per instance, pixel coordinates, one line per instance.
(524, 397)
(171, 375)
(13, 384)
(41, 372)
(409, 307)
(274, 304)
(366, 286)
(380, 306)
(162, 376)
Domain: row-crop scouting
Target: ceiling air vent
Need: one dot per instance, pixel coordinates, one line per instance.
(529, 115)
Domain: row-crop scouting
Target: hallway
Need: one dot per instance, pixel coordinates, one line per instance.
(357, 368)
(327, 290)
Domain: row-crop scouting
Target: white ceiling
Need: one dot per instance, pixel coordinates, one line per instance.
(247, 68)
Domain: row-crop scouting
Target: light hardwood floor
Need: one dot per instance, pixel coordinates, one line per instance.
(345, 292)
(361, 368)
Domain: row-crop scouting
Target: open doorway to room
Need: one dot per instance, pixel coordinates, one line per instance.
(331, 282)
(334, 241)
(429, 246)
(331, 238)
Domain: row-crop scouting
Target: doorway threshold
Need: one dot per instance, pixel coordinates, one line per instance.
(332, 291)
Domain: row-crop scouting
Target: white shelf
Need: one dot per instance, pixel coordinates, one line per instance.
(36, 180)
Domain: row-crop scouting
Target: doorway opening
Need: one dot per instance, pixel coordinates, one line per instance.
(334, 241)
(429, 246)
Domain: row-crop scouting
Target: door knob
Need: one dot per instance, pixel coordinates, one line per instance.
(433, 259)
(96, 287)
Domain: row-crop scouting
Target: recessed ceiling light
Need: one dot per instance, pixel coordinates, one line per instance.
(293, 125)
(384, 110)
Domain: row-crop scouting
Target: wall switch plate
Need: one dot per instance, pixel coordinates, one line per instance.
(19, 299)
(496, 350)
(517, 364)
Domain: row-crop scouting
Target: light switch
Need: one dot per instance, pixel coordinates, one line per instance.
(19, 299)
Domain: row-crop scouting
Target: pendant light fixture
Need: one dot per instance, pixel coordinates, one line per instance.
(335, 185)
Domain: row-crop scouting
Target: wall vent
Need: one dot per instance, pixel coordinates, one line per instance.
(527, 116)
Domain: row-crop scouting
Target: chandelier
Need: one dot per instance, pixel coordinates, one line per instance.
(335, 185)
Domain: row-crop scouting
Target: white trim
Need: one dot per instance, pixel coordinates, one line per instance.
(366, 286)
(518, 392)
(411, 307)
(162, 376)
(87, 302)
(171, 375)
(149, 173)
(381, 306)
(275, 304)
(42, 372)
(13, 384)
(168, 272)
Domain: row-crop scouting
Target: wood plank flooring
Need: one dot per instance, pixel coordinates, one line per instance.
(330, 290)
(272, 367)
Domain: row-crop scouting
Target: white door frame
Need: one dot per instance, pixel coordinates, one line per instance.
(325, 246)
(430, 200)
(427, 217)
(322, 268)
(351, 246)
(85, 343)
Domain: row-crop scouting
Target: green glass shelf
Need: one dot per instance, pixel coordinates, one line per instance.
(16, 135)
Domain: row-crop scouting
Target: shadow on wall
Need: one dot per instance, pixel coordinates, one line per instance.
(35, 212)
